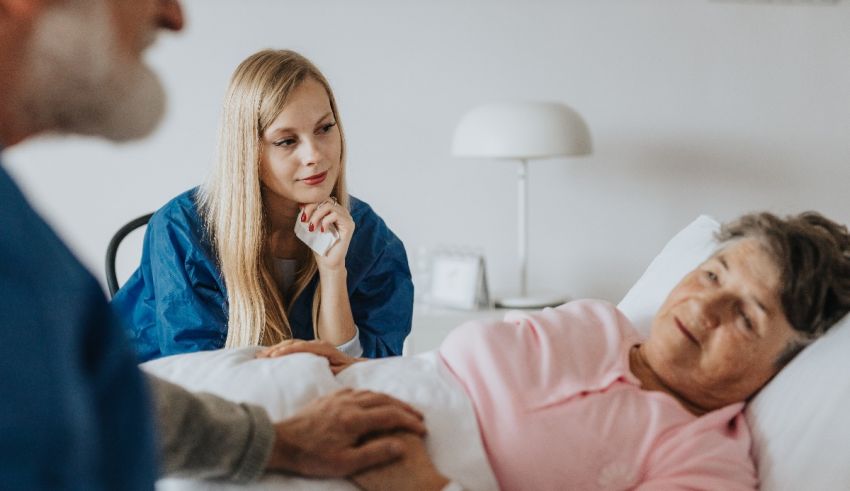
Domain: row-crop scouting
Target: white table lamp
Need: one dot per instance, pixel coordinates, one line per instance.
(522, 131)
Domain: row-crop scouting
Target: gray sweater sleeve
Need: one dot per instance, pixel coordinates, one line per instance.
(207, 437)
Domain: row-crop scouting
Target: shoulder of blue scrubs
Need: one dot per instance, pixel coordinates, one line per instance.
(69, 378)
(175, 302)
(372, 237)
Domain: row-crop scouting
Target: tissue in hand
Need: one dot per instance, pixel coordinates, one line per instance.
(320, 242)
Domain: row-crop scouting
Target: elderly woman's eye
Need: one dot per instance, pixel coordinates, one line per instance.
(745, 318)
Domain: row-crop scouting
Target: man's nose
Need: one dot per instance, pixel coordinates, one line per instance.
(170, 15)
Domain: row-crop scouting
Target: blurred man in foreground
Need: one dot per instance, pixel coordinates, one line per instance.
(76, 412)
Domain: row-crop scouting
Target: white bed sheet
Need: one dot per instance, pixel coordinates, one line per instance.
(284, 385)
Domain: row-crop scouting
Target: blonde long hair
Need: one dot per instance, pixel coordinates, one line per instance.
(231, 199)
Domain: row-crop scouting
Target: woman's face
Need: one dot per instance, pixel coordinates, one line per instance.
(717, 337)
(301, 149)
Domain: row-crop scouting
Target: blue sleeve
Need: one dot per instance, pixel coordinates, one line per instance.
(75, 414)
(121, 406)
(175, 302)
(382, 298)
(382, 305)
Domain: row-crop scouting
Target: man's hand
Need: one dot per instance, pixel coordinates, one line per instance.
(331, 436)
(338, 360)
(414, 471)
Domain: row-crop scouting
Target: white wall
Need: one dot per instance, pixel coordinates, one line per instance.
(695, 107)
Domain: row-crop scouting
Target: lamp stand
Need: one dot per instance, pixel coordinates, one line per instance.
(523, 301)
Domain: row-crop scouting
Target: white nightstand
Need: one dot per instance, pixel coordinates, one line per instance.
(432, 324)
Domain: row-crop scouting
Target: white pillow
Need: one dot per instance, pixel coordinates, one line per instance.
(801, 434)
(690, 247)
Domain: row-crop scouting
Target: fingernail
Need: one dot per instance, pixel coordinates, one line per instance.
(311, 227)
(303, 216)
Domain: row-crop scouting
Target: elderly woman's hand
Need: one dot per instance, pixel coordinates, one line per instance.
(415, 471)
(338, 360)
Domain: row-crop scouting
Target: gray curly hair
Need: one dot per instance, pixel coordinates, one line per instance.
(813, 257)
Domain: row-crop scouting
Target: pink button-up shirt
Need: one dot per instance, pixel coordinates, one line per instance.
(559, 408)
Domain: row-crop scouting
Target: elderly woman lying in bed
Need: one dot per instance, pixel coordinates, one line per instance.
(573, 397)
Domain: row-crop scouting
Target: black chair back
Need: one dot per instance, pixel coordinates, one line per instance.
(112, 250)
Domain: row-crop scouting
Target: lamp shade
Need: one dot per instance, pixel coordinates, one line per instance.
(521, 130)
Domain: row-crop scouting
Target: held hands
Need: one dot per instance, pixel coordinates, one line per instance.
(338, 360)
(334, 436)
(320, 216)
(371, 437)
(414, 472)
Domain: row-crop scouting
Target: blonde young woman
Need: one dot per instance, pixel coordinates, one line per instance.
(222, 266)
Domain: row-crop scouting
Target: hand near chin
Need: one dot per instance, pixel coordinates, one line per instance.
(338, 360)
(414, 471)
(322, 216)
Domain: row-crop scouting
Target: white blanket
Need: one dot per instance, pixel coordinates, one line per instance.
(284, 385)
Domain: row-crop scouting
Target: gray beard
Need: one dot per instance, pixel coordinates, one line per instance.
(75, 81)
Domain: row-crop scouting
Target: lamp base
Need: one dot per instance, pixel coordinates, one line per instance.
(536, 302)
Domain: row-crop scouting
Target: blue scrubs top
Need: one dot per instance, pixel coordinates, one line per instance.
(75, 413)
(176, 302)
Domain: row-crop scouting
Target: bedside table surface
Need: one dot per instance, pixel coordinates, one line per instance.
(432, 324)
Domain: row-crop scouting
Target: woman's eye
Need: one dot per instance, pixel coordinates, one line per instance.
(711, 276)
(326, 128)
(287, 142)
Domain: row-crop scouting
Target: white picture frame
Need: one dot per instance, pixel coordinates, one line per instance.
(458, 280)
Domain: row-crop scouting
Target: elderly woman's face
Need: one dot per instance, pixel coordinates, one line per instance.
(718, 335)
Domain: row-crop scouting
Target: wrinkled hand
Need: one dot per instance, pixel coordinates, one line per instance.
(338, 360)
(320, 216)
(328, 438)
(415, 471)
